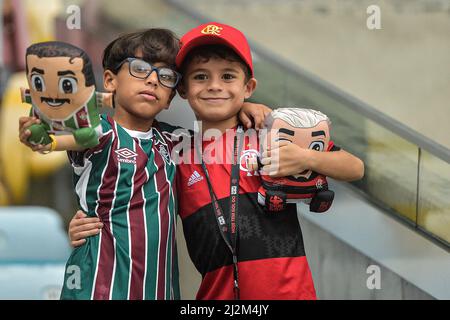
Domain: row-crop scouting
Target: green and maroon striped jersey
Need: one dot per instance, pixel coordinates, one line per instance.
(126, 181)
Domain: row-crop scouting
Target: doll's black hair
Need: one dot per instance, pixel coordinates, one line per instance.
(52, 49)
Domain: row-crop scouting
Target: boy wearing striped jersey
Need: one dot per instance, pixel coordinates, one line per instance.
(126, 181)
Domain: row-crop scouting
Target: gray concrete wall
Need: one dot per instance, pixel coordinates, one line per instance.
(340, 272)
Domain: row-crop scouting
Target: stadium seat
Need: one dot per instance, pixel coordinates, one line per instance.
(33, 250)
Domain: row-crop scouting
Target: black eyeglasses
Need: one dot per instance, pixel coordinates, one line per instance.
(141, 69)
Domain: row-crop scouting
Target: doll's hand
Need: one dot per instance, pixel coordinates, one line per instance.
(285, 159)
(253, 113)
(24, 133)
(81, 227)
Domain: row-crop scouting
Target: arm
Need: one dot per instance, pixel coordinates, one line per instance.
(253, 113)
(66, 142)
(339, 165)
(289, 159)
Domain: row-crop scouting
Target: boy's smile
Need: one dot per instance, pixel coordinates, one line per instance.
(215, 100)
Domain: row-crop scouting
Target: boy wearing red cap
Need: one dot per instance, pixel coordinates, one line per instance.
(241, 251)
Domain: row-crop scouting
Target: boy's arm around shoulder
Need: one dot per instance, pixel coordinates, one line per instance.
(253, 115)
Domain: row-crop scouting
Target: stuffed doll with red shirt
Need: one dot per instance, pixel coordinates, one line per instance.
(306, 128)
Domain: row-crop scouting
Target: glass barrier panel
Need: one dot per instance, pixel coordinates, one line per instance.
(434, 196)
(270, 89)
(391, 170)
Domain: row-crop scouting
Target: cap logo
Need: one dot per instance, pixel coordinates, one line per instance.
(212, 29)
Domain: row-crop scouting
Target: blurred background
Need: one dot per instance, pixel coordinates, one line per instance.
(379, 69)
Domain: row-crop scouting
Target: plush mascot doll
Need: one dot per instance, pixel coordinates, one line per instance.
(308, 129)
(62, 93)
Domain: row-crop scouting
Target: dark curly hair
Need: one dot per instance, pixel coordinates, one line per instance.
(157, 45)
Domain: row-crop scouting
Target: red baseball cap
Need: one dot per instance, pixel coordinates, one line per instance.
(215, 33)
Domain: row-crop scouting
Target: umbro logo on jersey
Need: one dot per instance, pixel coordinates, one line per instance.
(126, 155)
(195, 177)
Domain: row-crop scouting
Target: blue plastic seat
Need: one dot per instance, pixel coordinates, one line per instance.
(34, 248)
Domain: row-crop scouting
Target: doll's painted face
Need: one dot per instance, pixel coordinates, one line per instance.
(315, 138)
(57, 85)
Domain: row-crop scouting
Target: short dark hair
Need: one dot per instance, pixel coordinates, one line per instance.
(157, 45)
(208, 51)
(52, 49)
